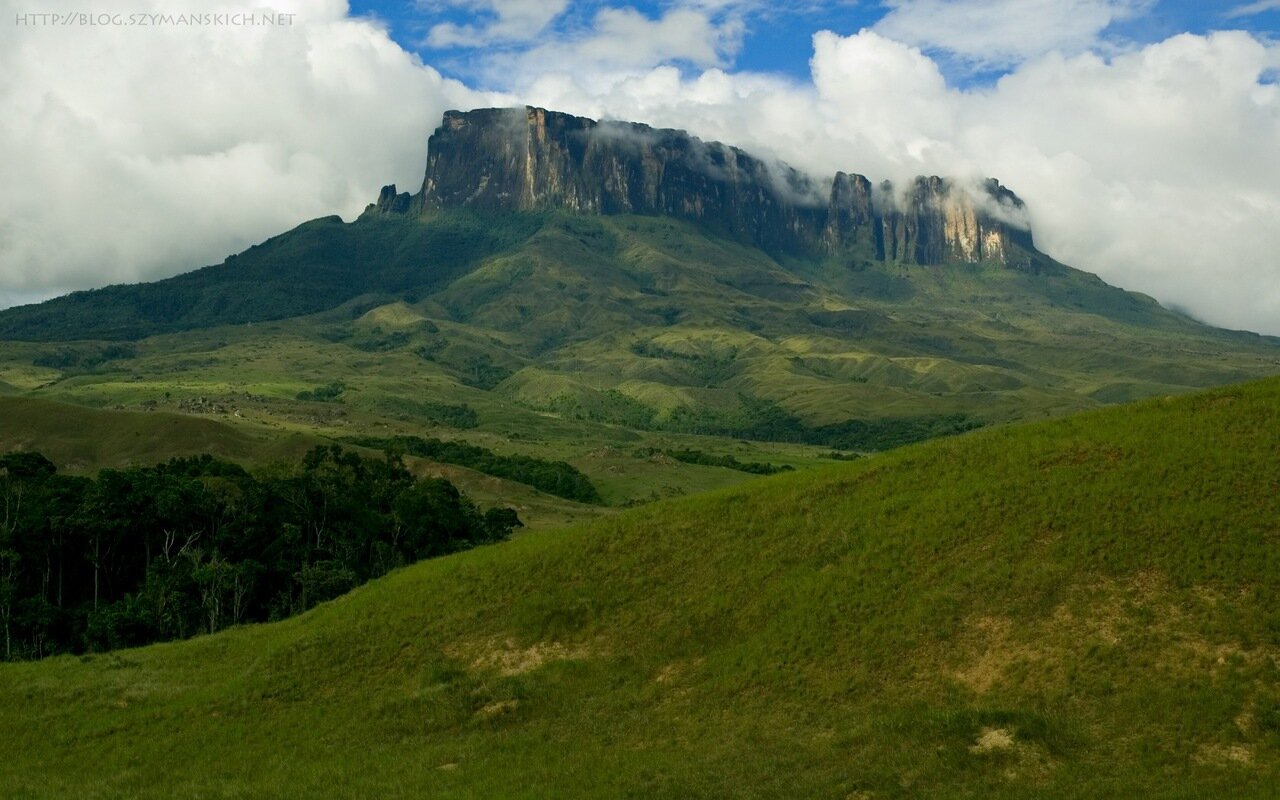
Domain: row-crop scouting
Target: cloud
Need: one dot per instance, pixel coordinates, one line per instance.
(625, 39)
(1155, 168)
(604, 42)
(509, 21)
(1252, 9)
(1000, 33)
(133, 153)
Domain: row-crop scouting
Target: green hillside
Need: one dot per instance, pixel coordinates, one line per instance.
(1079, 608)
(599, 340)
(85, 440)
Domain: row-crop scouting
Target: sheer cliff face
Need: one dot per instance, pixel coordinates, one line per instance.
(527, 158)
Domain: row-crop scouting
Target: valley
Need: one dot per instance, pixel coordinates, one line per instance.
(820, 488)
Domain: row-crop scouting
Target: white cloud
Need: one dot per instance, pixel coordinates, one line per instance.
(624, 39)
(1000, 33)
(138, 152)
(1156, 169)
(510, 21)
(1252, 9)
(528, 39)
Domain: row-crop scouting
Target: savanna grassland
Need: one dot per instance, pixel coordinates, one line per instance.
(1084, 607)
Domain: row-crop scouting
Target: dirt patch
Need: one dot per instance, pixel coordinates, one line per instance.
(1225, 755)
(497, 709)
(508, 658)
(994, 656)
(675, 670)
(1145, 614)
(992, 740)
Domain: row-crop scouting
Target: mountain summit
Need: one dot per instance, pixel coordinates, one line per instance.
(531, 159)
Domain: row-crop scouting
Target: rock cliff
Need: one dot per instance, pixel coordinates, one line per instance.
(520, 159)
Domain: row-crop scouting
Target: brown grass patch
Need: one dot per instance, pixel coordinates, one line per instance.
(508, 658)
(1144, 613)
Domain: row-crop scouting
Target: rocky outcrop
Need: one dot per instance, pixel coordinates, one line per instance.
(520, 159)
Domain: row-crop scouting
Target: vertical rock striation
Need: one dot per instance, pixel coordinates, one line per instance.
(523, 159)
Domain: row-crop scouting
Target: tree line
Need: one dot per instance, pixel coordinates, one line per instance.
(195, 545)
(559, 478)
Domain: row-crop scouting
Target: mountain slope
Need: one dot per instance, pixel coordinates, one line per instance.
(1081, 608)
(314, 267)
(605, 292)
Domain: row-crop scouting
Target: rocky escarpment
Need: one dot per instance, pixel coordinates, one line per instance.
(520, 159)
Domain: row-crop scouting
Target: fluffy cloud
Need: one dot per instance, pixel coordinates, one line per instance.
(509, 21)
(134, 152)
(1155, 168)
(1251, 9)
(610, 44)
(1000, 33)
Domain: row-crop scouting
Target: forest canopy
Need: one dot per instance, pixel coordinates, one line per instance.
(197, 544)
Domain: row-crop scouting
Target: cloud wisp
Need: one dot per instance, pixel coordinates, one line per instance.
(1253, 9)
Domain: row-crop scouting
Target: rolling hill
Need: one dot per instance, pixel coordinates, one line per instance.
(1085, 607)
(600, 291)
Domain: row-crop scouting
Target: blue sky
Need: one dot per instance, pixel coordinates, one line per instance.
(778, 41)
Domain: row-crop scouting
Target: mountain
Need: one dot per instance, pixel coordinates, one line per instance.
(511, 159)
(607, 294)
(492, 177)
(1080, 608)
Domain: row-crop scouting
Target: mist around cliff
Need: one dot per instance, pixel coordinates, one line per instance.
(1153, 167)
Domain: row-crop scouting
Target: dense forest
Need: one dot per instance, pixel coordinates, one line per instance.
(763, 421)
(559, 478)
(195, 545)
(690, 456)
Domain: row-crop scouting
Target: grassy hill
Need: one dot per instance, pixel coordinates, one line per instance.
(85, 440)
(597, 340)
(1079, 608)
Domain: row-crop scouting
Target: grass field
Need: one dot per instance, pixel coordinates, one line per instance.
(1080, 608)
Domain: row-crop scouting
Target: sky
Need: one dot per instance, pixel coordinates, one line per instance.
(140, 141)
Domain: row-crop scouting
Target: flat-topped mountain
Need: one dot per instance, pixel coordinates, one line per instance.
(528, 159)
(617, 284)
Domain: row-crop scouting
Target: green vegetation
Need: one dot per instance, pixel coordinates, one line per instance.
(82, 439)
(553, 477)
(318, 265)
(1080, 608)
(769, 422)
(197, 545)
(324, 394)
(450, 415)
(729, 462)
